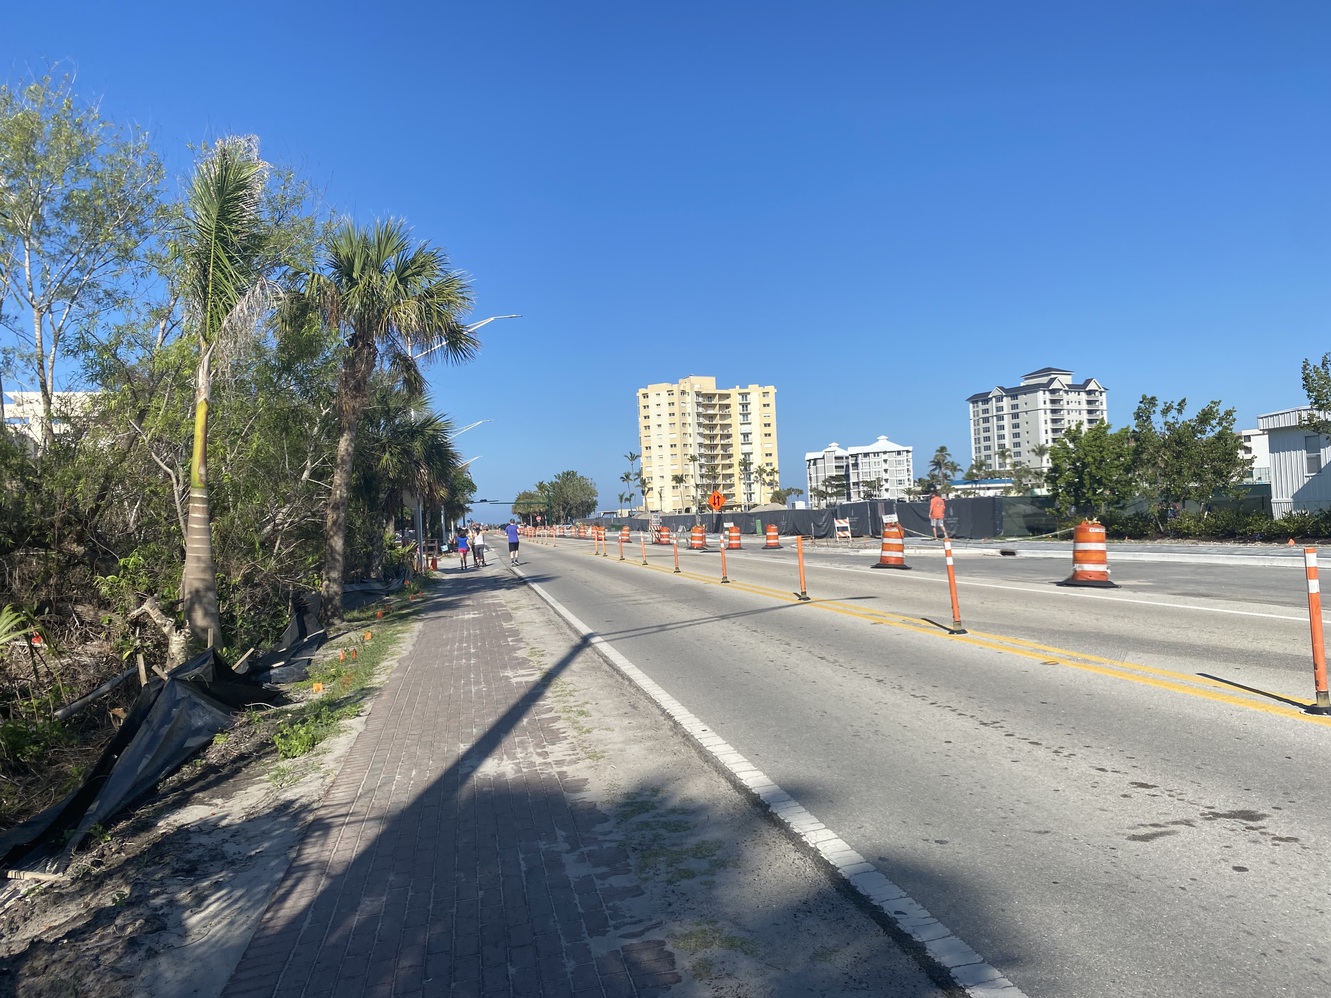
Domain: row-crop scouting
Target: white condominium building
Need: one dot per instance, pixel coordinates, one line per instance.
(880, 470)
(695, 438)
(1011, 426)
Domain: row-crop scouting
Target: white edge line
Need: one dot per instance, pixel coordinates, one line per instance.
(968, 968)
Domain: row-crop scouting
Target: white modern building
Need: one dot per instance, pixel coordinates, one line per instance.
(695, 437)
(1012, 426)
(1300, 457)
(21, 412)
(1258, 447)
(880, 470)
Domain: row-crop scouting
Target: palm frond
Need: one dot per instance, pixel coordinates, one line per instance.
(222, 237)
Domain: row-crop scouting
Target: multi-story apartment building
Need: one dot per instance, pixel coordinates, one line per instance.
(882, 468)
(1011, 426)
(695, 438)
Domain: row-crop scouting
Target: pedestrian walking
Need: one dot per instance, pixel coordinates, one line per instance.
(462, 547)
(512, 531)
(477, 545)
(937, 510)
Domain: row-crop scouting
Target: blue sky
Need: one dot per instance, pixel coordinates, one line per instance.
(880, 208)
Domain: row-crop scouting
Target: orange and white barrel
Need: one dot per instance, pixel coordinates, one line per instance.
(772, 538)
(1090, 557)
(892, 554)
(732, 535)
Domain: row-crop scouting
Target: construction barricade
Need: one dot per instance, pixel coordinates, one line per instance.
(1090, 559)
(893, 552)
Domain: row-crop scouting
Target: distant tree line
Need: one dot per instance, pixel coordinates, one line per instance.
(1166, 458)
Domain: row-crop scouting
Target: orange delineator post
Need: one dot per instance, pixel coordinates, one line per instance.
(1315, 625)
(675, 545)
(956, 627)
(733, 535)
(698, 538)
(893, 552)
(1090, 560)
(643, 539)
(772, 538)
(724, 579)
(803, 594)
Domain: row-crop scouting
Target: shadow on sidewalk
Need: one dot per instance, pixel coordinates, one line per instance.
(499, 877)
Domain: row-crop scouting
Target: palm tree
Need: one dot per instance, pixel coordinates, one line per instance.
(678, 482)
(405, 446)
(220, 246)
(393, 302)
(746, 474)
(941, 470)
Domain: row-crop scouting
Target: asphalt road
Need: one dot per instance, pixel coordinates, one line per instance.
(1104, 792)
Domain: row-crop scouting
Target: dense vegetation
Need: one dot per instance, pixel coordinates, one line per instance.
(252, 410)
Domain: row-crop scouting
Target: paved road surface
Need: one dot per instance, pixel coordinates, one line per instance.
(1081, 787)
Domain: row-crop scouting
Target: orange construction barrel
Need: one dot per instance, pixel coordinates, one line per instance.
(1090, 559)
(893, 552)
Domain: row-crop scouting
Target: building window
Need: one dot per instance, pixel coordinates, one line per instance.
(1312, 449)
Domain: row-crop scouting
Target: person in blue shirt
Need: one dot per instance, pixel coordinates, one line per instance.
(512, 531)
(462, 546)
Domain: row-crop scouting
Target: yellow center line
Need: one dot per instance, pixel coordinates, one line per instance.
(1146, 675)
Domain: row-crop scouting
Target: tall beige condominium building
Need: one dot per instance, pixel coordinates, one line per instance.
(695, 437)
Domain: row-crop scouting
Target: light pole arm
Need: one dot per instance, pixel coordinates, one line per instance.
(470, 329)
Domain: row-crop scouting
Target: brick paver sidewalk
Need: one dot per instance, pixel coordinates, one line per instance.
(438, 863)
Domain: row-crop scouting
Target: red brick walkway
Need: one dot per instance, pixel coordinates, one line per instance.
(438, 863)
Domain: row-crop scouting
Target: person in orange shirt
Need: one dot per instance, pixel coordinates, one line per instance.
(937, 510)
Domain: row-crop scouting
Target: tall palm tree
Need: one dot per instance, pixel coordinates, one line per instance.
(405, 447)
(220, 245)
(678, 481)
(393, 302)
(941, 470)
(746, 476)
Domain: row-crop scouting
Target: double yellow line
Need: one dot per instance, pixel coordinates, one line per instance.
(1051, 655)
